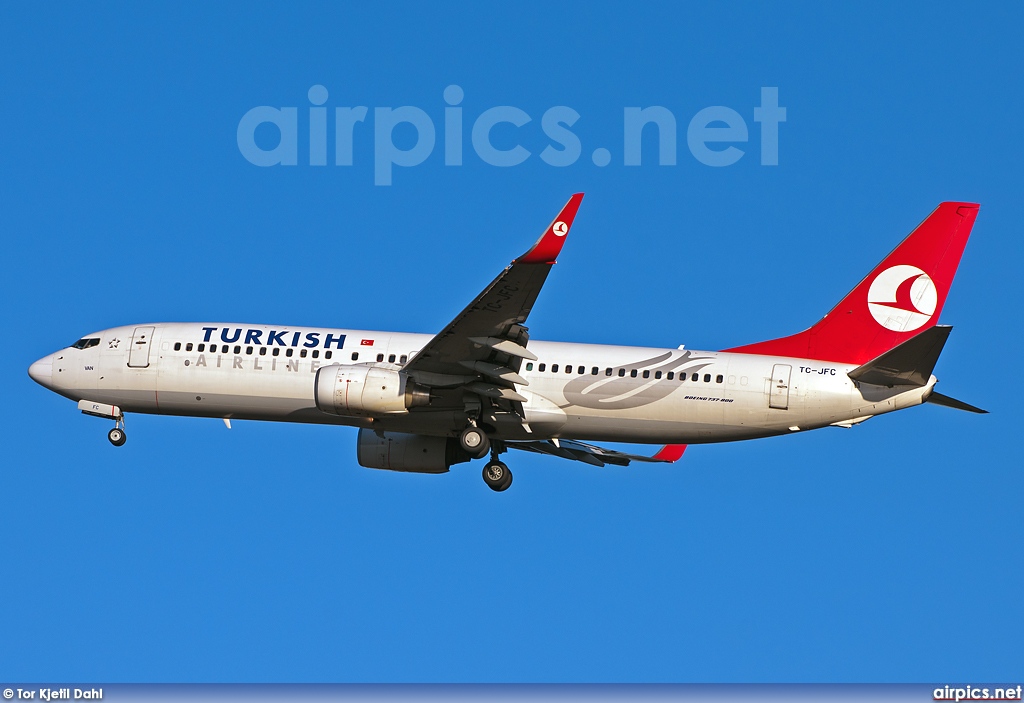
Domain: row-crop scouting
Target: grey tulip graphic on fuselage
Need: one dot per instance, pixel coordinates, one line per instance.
(623, 392)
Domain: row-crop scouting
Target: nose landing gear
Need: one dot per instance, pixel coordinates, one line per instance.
(117, 436)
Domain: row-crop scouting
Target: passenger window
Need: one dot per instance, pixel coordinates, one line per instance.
(177, 346)
(380, 357)
(263, 351)
(277, 351)
(608, 371)
(391, 358)
(248, 350)
(202, 347)
(670, 375)
(593, 371)
(188, 347)
(303, 353)
(622, 372)
(632, 373)
(328, 354)
(695, 377)
(707, 378)
(529, 366)
(402, 359)
(289, 351)
(719, 378)
(316, 353)
(554, 368)
(355, 356)
(238, 348)
(647, 374)
(657, 374)
(540, 367)
(568, 369)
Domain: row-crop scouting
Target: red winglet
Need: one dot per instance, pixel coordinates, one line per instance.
(670, 452)
(545, 251)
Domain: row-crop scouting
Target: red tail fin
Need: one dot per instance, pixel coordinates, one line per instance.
(902, 296)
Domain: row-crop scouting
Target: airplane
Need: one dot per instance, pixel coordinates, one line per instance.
(481, 386)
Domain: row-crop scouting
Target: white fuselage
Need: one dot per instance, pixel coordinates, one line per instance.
(611, 393)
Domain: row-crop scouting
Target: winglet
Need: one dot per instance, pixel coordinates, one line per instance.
(546, 250)
(670, 453)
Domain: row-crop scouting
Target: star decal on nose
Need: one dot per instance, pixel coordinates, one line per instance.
(114, 343)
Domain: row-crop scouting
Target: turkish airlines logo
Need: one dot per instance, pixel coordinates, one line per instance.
(560, 229)
(902, 298)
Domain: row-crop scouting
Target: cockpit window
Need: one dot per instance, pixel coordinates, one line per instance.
(86, 343)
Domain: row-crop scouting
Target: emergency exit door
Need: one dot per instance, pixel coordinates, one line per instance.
(778, 397)
(138, 354)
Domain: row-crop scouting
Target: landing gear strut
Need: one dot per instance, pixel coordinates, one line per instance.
(497, 476)
(475, 442)
(117, 436)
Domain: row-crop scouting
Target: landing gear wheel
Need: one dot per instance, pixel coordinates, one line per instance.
(117, 436)
(497, 476)
(475, 442)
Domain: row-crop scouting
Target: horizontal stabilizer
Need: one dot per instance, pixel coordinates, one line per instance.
(907, 364)
(945, 400)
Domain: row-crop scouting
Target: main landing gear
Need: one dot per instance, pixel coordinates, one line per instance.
(474, 441)
(497, 476)
(117, 436)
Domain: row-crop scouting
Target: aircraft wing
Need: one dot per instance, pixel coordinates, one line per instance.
(483, 347)
(594, 455)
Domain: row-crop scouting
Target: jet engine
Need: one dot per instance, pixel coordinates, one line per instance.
(345, 389)
(397, 451)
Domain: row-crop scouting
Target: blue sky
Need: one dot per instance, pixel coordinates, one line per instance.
(889, 552)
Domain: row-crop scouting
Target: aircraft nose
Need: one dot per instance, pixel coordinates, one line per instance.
(42, 371)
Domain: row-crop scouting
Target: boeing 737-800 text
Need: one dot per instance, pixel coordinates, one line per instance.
(480, 386)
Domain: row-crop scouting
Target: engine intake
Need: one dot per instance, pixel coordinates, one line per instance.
(344, 389)
(397, 451)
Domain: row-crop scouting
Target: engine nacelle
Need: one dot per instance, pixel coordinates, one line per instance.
(342, 389)
(397, 451)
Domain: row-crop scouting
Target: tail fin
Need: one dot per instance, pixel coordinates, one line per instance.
(903, 294)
